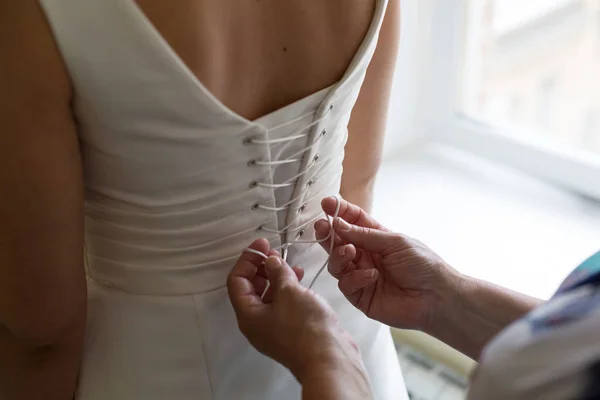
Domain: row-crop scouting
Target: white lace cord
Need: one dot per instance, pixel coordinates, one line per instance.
(290, 182)
(329, 236)
(287, 228)
(289, 225)
(286, 205)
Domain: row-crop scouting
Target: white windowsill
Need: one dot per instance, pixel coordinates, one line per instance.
(486, 221)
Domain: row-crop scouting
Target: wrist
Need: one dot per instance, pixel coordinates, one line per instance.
(338, 376)
(331, 354)
(315, 357)
(471, 312)
(448, 301)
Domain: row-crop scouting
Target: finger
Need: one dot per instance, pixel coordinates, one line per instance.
(322, 231)
(299, 271)
(279, 273)
(268, 295)
(248, 263)
(273, 253)
(354, 282)
(350, 212)
(263, 273)
(261, 268)
(341, 260)
(260, 285)
(369, 239)
(240, 288)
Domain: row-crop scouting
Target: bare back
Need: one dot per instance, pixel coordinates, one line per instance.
(256, 56)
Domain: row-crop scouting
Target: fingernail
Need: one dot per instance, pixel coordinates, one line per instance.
(273, 262)
(371, 273)
(343, 224)
(342, 251)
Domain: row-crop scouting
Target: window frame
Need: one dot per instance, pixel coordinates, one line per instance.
(437, 117)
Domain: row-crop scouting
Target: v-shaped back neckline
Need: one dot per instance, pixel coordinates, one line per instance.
(185, 71)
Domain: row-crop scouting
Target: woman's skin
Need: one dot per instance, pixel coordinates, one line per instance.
(254, 56)
(306, 337)
(389, 277)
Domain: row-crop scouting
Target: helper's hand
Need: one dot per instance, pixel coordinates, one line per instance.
(390, 277)
(291, 323)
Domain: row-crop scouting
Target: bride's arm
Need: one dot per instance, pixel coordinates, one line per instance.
(42, 279)
(367, 126)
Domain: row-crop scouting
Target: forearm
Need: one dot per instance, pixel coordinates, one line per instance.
(336, 381)
(31, 373)
(472, 312)
(359, 193)
(367, 127)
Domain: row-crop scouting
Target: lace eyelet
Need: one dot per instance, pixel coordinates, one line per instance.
(324, 132)
(330, 107)
(300, 234)
(310, 183)
(252, 163)
(302, 208)
(316, 158)
(259, 228)
(255, 206)
(253, 184)
(248, 141)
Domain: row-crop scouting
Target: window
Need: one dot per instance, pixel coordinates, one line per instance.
(538, 47)
(515, 108)
(514, 81)
(591, 130)
(545, 104)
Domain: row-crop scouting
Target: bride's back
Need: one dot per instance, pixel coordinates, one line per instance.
(259, 55)
(114, 154)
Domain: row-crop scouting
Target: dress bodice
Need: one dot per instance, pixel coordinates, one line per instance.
(176, 183)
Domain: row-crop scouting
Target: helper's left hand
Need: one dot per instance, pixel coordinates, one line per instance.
(291, 323)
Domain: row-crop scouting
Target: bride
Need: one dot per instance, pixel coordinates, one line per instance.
(144, 145)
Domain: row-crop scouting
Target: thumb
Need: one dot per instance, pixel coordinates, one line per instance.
(279, 273)
(369, 239)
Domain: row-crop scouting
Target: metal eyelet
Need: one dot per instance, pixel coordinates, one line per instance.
(255, 206)
(300, 234)
(253, 184)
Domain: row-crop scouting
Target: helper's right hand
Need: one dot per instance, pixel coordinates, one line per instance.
(388, 276)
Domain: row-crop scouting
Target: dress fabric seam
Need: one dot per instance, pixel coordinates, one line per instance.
(204, 357)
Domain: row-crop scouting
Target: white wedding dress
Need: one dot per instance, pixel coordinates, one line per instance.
(177, 185)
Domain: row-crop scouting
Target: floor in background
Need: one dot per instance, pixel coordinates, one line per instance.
(486, 221)
(428, 380)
